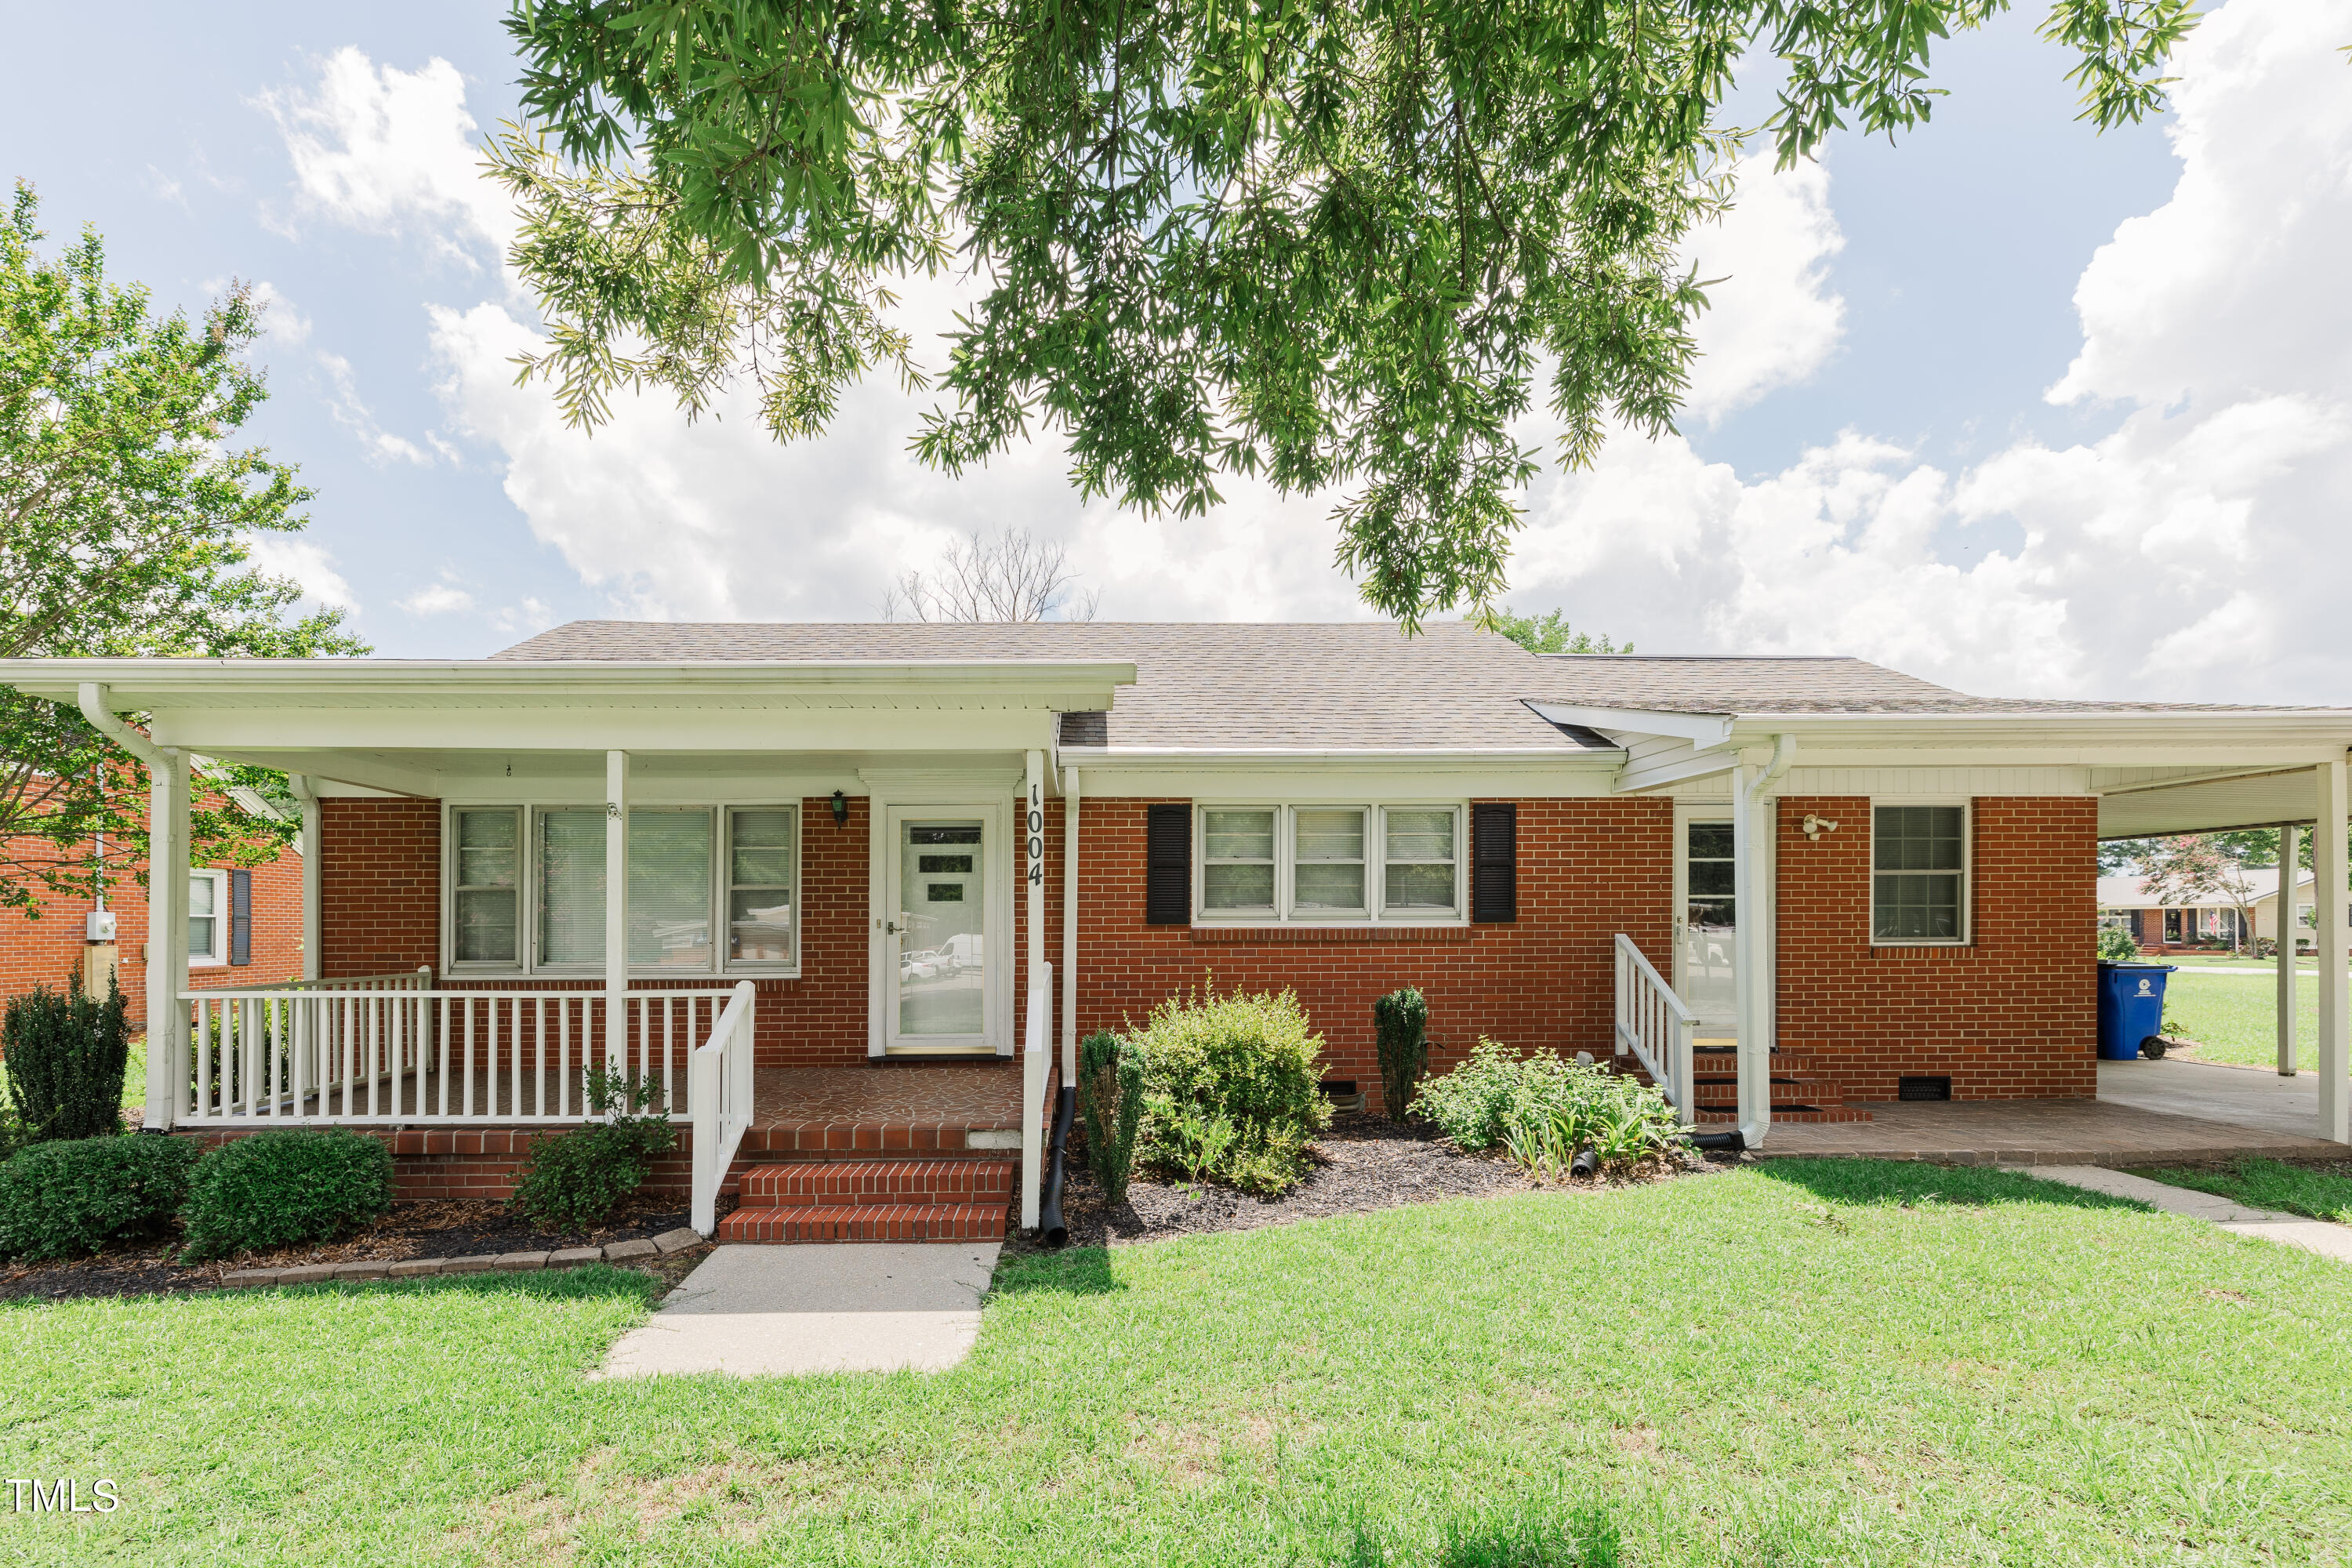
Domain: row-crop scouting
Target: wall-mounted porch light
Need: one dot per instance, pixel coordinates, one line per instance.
(1814, 826)
(840, 809)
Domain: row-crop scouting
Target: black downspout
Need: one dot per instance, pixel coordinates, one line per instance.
(1050, 1227)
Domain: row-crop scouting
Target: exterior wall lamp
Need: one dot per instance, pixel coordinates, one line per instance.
(840, 809)
(1814, 826)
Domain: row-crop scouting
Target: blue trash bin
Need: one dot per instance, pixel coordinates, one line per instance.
(2131, 1007)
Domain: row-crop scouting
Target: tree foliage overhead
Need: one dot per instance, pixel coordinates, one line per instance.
(127, 516)
(1335, 244)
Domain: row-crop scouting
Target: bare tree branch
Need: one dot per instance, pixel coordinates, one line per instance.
(1009, 576)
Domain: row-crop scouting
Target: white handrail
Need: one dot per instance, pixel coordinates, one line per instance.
(427, 1057)
(1036, 1048)
(417, 979)
(719, 1096)
(1655, 1027)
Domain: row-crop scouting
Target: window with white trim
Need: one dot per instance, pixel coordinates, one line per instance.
(207, 917)
(712, 889)
(1919, 875)
(1329, 865)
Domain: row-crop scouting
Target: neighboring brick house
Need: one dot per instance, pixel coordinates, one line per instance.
(1784, 886)
(247, 923)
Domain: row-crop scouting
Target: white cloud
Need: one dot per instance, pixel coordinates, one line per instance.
(379, 445)
(281, 322)
(305, 564)
(439, 599)
(1772, 320)
(392, 152)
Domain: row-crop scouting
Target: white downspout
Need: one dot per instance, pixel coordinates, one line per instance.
(167, 910)
(1069, 925)
(616, 912)
(2328, 865)
(1751, 971)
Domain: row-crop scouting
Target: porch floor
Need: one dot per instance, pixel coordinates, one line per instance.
(877, 1108)
(2037, 1132)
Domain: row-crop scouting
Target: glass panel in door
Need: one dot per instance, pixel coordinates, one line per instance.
(1709, 919)
(942, 931)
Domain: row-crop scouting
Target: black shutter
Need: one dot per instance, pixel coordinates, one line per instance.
(1167, 866)
(240, 917)
(2138, 933)
(1495, 862)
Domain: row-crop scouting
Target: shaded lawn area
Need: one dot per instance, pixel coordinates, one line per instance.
(2322, 1191)
(1804, 1362)
(2233, 1018)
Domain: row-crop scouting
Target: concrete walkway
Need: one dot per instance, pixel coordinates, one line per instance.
(2327, 1240)
(2245, 1097)
(784, 1311)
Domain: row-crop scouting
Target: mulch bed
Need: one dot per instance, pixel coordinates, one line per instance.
(439, 1229)
(1362, 1164)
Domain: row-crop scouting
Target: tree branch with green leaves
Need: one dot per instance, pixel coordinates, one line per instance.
(1335, 245)
(127, 521)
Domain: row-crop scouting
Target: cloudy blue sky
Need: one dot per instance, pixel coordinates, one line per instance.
(2011, 405)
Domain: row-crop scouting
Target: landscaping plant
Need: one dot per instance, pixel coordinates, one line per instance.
(2118, 945)
(1230, 1089)
(70, 1199)
(283, 1188)
(1540, 1109)
(1110, 1098)
(1401, 1025)
(576, 1179)
(64, 1052)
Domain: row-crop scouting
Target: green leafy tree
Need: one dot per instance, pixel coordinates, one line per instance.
(1337, 246)
(126, 516)
(1550, 633)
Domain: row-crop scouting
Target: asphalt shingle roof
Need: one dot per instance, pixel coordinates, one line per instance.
(1314, 686)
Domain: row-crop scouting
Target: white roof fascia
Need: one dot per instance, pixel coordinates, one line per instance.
(150, 684)
(1702, 730)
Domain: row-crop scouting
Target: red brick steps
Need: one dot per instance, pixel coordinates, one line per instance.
(874, 1200)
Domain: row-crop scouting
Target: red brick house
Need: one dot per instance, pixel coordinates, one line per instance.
(759, 862)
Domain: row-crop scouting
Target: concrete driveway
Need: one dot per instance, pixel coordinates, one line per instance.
(2247, 1097)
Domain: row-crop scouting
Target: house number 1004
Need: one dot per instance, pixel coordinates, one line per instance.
(1037, 835)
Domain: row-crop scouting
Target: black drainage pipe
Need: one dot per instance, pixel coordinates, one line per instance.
(1719, 1143)
(1585, 1164)
(1049, 1202)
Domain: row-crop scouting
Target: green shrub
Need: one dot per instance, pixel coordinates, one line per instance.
(1110, 1098)
(576, 1179)
(1540, 1109)
(1230, 1089)
(2118, 945)
(66, 1053)
(279, 1189)
(1401, 1025)
(71, 1199)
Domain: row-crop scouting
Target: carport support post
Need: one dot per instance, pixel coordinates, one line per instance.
(616, 911)
(2327, 916)
(2283, 922)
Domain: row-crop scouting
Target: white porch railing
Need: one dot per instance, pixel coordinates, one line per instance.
(1037, 1051)
(417, 979)
(719, 1096)
(1654, 1026)
(424, 1055)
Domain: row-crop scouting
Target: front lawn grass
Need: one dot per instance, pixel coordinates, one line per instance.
(1798, 1363)
(2322, 1191)
(2233, 1018)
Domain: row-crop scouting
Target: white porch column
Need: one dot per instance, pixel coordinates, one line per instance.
(616, 911)
(2284, 923)
(2327, 919)
(167, 938)
(1755, 1051)
(1032, 869)
(1070, 926)
(307, 847)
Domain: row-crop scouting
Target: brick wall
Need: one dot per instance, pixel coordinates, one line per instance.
(1588, 868)
(2012, 1014)
(378, 885)
(43, 951)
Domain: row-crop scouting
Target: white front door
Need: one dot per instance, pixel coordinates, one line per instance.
(941, 953)
(1706, 920)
